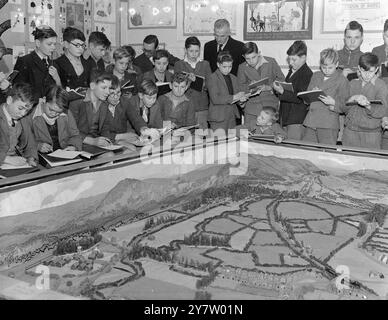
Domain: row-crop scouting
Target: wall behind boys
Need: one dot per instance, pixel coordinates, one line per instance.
(24, 15)
(174, 38)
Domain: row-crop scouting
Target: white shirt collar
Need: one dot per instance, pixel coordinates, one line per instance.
(192, 64)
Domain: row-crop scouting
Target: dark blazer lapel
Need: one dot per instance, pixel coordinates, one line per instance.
(103, 111)
(38, 62)
(89, 113)
(69, 67)
(4, 124)
(300, 70)
(62, 128)
(222, 81)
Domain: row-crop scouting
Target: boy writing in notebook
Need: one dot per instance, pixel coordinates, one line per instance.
(17, 143)
(91, 114)
(322, 120)
(54, 126)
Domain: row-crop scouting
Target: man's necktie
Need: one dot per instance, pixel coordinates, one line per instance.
(219, 48)
(45, 60)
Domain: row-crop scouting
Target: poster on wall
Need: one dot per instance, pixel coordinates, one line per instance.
(105, 10)
(17, 21)
(75, 16)
(278, 20)
(145, 14)
(108, 29)
(199, 16)
(46, 7)
(338, 13)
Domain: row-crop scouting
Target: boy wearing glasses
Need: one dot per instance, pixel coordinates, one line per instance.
(17, 143)
(363, 117)
(53, 127)
(73, 69)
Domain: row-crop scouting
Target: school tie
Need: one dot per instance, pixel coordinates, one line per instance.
(145, 114)
(219, 48)
(289, 74)
(45, 61)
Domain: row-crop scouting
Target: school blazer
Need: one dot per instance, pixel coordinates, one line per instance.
(34, 71)
(69, 77)
(220, 99)
(319, 115)
(292, 108)
(68, 133)
(234, 47)
(82, 111)
(381, 53)
(27, 144)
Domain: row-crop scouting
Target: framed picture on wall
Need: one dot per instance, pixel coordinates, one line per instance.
(75, 16)
(199, 16)
(138, 47)
(105, 10)
(278, 20)
(338, 13)
(143, 14)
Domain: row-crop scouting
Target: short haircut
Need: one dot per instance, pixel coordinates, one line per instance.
(221, 23)
(386, 25)
(179, 77)
(329, 56)
(298, 48)
(368, 60)
(272, 111)
(192, 41)
(97, 76)
(71, 34)
(99, 39)
(21, 91)
(121, 53)
(148, 87)
(354, 25)
(250, 47)
(224, 56)
(58, 95)
(44, 32)
(115, 82)
(159, 54)
(131, 51)
(152, 39)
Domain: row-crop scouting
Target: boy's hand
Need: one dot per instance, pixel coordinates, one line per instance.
(347, 71)
(4, 84)
(70, 148)
(45, 148)
(278, 139)
(327, 100)
(32, 162)
(192, 77)
(278, 87)
(240, 96)
(103, 142)
(363, 101)
(384, 123)
(53, 72)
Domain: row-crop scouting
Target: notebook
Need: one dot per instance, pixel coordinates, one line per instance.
(253, 86)
(198, 84)
(311, 96)
(163, 88)
(355, 103)
(286, 86)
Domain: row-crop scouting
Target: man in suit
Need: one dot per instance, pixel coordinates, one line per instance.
(223, 42)
(145, 61)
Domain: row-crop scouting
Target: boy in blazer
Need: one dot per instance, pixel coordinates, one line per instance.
(73, 69)
(53, 128)
(223, 90)
(38, 67)
(322, 120)
(91, 114)
(382, 51)
(293, 110)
